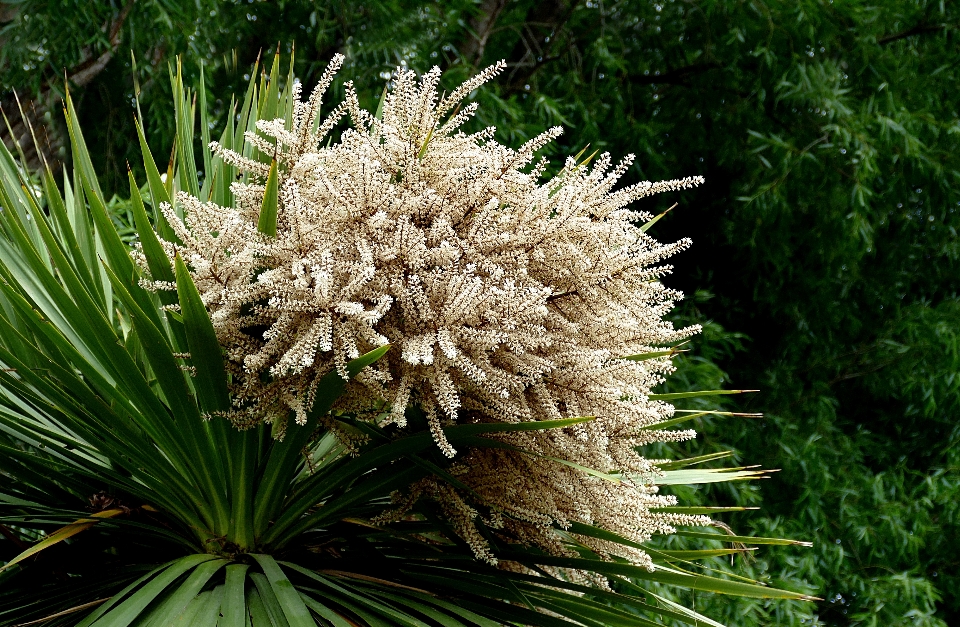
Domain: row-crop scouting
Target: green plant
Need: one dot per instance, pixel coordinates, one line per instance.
(123, 506)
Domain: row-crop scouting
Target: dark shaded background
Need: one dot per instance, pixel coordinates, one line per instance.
(825, 265)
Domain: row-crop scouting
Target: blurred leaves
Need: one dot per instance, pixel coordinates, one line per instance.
(826, 249)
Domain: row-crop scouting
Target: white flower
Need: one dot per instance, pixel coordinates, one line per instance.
(506, 297)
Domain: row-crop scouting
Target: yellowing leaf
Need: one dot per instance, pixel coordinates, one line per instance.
(62, 534)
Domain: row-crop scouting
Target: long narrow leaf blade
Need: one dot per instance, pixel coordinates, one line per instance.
(128, 611)
(62, 534)
(234, 604)
(670, 396)
(294, 610)
(267, 223)
(158, 193)
(205, 352)
(719, 537)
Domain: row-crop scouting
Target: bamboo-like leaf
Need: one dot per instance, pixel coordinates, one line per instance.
(79, 324)
(332, 384)
(242, 470)
(88, 416)
(37, 471)
(439, 472)
(589, 158)
(592, 531)
(172, 182)
(588, 612)
(136, 85)
(485, 591)
(82, 228)
(267, 222)
(213, 396)
(116, 252)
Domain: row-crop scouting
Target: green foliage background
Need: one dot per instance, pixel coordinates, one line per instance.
(825, 264)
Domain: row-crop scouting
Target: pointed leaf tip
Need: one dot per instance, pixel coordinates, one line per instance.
(645, 227)
(267, 224)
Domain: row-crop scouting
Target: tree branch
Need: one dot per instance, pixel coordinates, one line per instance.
(481, 25)
(538, 36)
(26, 121)
(89, 69)
(919, 29)
(12, 537)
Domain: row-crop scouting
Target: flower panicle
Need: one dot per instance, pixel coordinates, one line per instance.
(509, 297)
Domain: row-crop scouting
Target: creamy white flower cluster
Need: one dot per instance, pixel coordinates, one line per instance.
(506, 297)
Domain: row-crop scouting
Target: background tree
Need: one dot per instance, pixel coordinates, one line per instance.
(826, 255)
